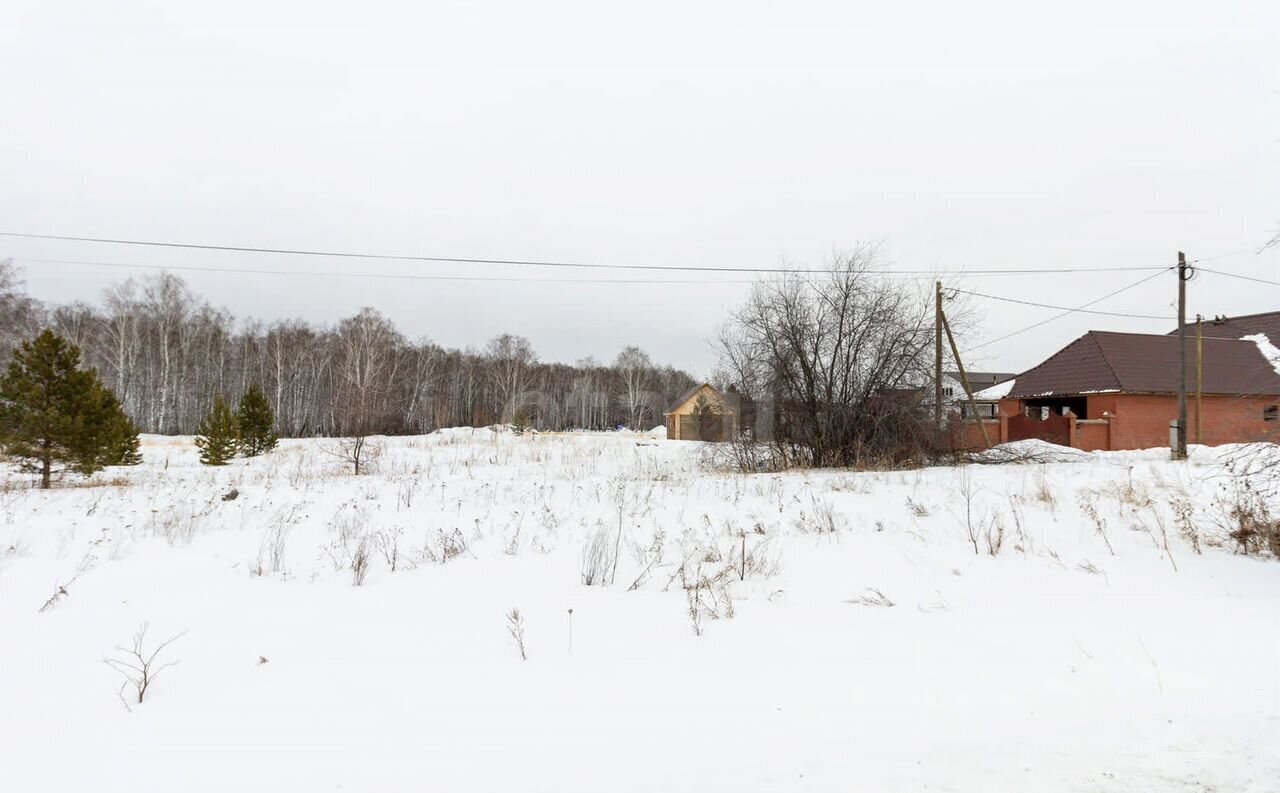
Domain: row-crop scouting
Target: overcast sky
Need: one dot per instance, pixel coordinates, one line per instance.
(960, 135)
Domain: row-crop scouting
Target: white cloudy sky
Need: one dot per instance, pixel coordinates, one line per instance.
(742, 133)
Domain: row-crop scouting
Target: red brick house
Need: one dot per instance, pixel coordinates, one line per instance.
(1119, 391)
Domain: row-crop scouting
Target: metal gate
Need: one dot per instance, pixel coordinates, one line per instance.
(1055, 428)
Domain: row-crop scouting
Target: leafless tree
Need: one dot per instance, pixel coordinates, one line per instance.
(634, 368)
(510, 358)
(838, 365)
(138, 666)
(20, 315)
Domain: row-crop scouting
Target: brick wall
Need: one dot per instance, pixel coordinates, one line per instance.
(1140, 421)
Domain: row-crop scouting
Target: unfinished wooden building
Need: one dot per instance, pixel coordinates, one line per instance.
(701, 414)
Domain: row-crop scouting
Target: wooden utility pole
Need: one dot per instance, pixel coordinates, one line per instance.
(937, 353)
(964, 381)
(1199, 377)
(1180, 445)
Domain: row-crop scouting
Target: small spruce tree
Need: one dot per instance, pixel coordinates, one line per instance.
(218, 435)
(109, 437)
(121, 444)
(257, 424)
(52, 413)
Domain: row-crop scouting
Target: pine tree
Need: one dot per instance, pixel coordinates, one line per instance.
(120, 443)
(218, 434)
(54, 413)
(256, 423)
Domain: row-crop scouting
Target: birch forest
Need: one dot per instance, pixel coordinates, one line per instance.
(167, 353)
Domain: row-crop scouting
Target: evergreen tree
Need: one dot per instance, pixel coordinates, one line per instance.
(218, 434)
(119, 443)
(256, 423)
(54, 413)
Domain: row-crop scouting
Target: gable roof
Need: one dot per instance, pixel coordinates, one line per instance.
(1267, 323)
(1140, 363)
(980, 380)
(687, 395)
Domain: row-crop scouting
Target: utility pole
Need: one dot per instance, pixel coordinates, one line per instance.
(1180, 450)
(964, 381)
(1199, 377)
(937, 353)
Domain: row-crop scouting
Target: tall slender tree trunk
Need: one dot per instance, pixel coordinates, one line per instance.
(46, 465)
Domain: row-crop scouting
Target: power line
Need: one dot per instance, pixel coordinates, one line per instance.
(1227, 254)
(1238, 275)
(1070, 311)
(391, 276)
(1060, 308)
(541, 263)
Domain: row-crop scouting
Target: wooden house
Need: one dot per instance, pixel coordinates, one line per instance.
(701, 414)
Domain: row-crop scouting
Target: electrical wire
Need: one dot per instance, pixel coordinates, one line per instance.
(1078, 309)
(1238, 275)
(1060, 308)
(541, 263)
(390, 276)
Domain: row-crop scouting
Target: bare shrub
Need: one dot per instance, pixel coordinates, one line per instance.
(360, 451)
(707, 595)
(388, 545)
(651, 557)
(972, 530)
(1089, 567)
(360, 562)
(139, 667)
(271, 551)
(447, 546)
(1184, 514)
(1021, 542)
(1043, 491)
(511, 542)
(916, 508)
(993, 534)
(515, 626)
(1089, 506)
(822, 520)
(1242, 511)
(872, 597)
(598, 557)
(60, 591)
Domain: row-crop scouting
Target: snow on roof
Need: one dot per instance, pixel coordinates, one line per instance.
(1266, 348)
(997, 391)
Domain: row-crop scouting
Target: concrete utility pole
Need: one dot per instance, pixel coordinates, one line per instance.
(937, 353)
(1180, 447)
(1199, 377)
(964, 380)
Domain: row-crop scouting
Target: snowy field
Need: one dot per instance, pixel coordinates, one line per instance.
(861, 644)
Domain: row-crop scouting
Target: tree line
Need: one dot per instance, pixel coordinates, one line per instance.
(167, 354)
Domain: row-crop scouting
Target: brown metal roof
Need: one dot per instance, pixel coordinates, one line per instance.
(1139, 363)
(1267, 324)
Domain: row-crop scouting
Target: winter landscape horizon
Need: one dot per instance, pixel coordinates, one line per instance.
(719, 397)
(1051, 625)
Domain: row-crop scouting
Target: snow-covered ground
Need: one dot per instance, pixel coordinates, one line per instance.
(1054, 664)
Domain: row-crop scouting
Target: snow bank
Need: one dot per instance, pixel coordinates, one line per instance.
(1031, 450)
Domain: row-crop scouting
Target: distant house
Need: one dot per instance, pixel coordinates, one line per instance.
(955, 398)
(977, 380)
(1119, 391)
(1268, 324)
(701, 414)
